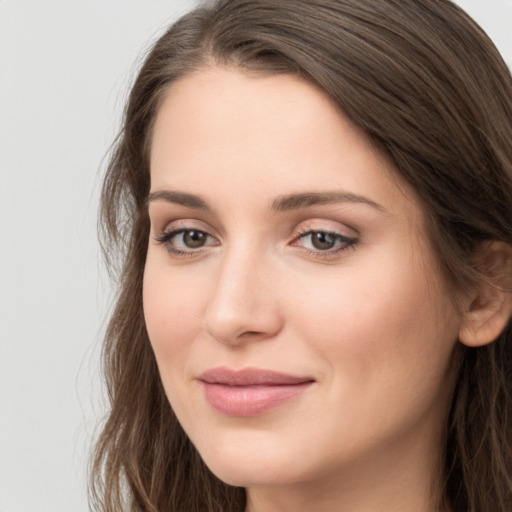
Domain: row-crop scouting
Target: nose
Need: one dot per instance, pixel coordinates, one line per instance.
(243, 306)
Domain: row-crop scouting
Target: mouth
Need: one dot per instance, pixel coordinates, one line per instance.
(250, 391)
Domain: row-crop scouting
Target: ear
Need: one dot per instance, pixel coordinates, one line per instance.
(490, 304)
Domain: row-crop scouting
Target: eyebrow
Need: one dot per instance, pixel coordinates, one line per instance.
(296, 201)
(279, 205)
(181, 198)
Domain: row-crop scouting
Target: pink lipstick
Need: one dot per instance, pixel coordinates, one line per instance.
(250, 391)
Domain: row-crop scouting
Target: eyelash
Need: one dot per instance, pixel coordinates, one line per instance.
(345, 242)
(166, 237)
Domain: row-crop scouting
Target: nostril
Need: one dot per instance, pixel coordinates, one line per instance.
(250, 334)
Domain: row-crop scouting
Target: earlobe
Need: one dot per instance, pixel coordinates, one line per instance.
(490, 306)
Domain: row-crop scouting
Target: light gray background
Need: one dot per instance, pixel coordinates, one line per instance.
(64, 69)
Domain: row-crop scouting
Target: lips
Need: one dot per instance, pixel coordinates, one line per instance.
(250, 391)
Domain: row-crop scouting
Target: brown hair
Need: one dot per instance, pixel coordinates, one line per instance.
(427, 85)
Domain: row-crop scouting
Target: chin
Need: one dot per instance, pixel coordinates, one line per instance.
(246, 464)
(241, 474)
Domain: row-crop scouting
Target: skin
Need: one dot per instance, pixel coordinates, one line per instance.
(369, 320)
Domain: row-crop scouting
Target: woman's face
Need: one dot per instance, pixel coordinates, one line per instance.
(297, 315)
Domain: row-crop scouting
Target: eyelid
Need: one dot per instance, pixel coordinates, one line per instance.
(167, 223)
(325, 226)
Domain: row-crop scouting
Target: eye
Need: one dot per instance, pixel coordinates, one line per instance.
(185, 241)
(192, 238)
(324, 243)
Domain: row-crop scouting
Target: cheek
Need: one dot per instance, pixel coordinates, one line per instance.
(380, 326)
(172, 311)
(384, 341)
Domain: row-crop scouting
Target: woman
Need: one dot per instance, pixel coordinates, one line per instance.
(312, 200)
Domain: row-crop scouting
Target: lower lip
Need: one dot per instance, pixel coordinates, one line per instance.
(244, 401)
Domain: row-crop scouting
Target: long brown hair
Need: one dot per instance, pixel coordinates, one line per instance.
(429, 87)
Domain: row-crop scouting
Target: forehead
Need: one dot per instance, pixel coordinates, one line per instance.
(222, 128)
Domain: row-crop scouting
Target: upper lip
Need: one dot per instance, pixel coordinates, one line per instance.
(250, 377)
